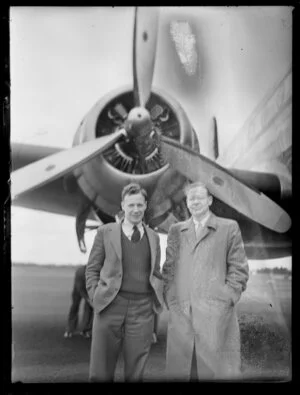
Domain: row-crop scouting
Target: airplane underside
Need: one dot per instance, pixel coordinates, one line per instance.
(143, 134)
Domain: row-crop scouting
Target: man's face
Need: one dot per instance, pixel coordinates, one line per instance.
(198, 202)
(134, 207)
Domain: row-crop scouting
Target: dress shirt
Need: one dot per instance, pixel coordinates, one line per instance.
(202, 222)
(127, 228)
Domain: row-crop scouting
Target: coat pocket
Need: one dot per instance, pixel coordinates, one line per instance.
(233, 294)
(221, 294)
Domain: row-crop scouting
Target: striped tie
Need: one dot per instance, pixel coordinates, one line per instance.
(136, 234)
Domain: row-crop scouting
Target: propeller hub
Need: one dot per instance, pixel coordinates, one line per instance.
(139, 122)
(140, 132)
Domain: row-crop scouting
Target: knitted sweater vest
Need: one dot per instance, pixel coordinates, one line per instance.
(136, 262)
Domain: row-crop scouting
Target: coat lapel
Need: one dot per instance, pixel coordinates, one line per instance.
(116, 239)
(210, 225)
(204, 232)
(188, 231)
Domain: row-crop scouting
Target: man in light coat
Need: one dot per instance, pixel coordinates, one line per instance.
(205, 272)
(124, 282)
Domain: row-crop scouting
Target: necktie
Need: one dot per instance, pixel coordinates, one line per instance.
(136, 234)
(199, 230)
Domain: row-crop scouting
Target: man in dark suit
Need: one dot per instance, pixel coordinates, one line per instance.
(124, 282)
(119, 217)
(79, 293)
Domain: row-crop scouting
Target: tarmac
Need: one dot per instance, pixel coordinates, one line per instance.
(41, 298)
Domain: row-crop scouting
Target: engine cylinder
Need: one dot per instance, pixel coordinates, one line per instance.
(103, 178)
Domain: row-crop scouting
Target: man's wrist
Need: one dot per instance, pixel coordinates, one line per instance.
(235, 293)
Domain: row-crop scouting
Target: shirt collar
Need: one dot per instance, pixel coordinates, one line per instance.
(203, 220)
(130, 226)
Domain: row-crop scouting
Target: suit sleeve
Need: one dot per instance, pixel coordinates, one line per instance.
(95, 263)
(168, 270)
(156, 271)
(237, 263)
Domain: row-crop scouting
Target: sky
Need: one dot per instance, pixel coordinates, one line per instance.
(65, 59)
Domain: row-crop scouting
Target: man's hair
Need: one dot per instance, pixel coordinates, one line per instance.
(193, 185)
(133, 189)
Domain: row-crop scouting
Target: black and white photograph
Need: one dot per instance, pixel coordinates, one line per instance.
(151, 194)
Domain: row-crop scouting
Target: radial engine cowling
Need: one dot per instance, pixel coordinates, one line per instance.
(102, 179)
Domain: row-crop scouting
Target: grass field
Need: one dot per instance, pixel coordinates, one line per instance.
(265, 324)
(41, 299)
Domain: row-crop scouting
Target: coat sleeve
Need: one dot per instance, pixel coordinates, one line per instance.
(237, 263)
(95, 263)
(168, 270)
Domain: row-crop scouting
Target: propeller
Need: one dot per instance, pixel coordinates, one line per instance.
(54, 166)
(225, 186)
(139, 124)
(215, 139)
(144, 50)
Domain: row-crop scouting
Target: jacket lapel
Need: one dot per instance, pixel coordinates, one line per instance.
(116, 242)
(152, 243)
(116, 239)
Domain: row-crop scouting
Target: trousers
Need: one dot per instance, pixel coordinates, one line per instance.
(87, 318)
(127, 324)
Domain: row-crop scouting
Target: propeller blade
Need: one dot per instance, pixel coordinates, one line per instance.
(225, 186)
(144, 50)
(48, 169)
(216, 139)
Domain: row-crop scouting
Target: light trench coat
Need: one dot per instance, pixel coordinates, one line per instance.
(203, 280)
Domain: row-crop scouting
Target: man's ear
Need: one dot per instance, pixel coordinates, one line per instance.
(122, 205)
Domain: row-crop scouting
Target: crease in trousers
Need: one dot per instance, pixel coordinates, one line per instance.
(124, 323)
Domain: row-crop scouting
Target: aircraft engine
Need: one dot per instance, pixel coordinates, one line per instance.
(140, 134)
(102, 178)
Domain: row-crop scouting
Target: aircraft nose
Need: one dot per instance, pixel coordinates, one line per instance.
(139, 122)
(141, 133)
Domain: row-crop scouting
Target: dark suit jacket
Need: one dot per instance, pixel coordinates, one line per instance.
(104, 269)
